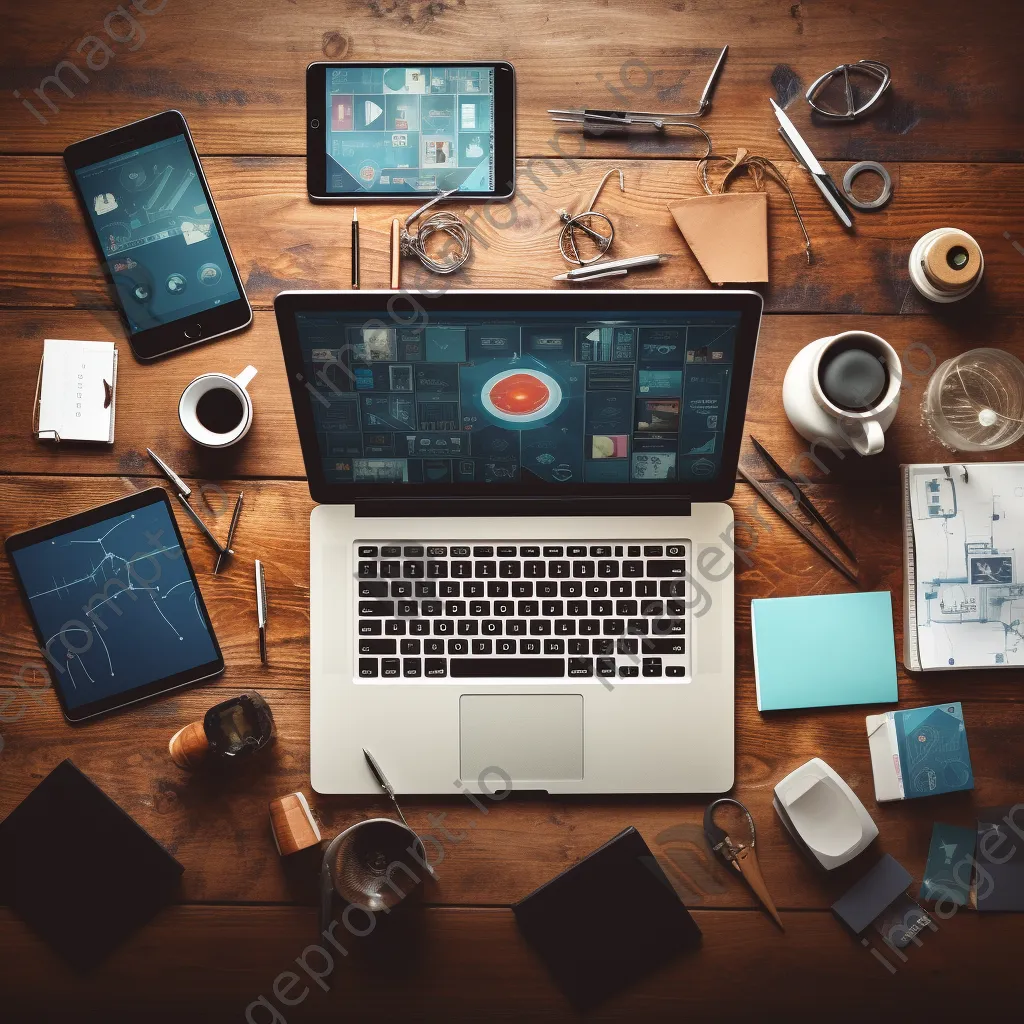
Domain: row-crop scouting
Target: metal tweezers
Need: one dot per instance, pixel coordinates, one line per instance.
(600, 121)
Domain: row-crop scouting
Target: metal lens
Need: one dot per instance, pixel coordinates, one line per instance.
(957, 257)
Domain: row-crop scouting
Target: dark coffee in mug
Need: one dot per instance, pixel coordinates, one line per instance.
(853, 374)
(220, 410)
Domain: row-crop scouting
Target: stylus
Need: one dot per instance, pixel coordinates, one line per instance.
(231, 532)
(194, 516)
(355, 247)
(179, 485)
(396, 254)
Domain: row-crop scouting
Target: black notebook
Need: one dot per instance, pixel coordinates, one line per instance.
(78, 869)
(607, 921)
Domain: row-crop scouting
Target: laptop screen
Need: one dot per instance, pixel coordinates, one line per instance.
(538, 400)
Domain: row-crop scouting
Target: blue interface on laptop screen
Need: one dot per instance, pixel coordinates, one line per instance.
(410, 129)
(506, 398)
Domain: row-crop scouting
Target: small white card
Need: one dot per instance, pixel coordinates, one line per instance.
(76, 394)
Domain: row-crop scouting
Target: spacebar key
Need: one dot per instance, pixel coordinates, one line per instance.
(469, 668)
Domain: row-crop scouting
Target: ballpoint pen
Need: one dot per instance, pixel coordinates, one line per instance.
(179, 485)
(231, 532)
(613, 268)
(355, 247)
(194, 516)
(261, 609)
(810, 163)
(183, 491)
(396, 254)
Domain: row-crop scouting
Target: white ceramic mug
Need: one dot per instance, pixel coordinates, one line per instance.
(817, 418)
(201, 386)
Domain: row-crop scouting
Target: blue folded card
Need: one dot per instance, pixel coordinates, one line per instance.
(823, 651)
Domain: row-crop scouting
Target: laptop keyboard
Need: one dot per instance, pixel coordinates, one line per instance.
(521, 611)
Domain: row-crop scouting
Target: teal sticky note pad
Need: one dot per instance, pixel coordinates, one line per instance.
(824, 650)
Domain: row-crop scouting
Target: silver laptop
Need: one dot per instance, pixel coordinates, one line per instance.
(521, 562)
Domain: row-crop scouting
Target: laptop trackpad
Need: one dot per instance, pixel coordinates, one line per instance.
(529, 737)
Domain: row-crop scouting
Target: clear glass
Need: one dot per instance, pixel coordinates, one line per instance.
(975, 401)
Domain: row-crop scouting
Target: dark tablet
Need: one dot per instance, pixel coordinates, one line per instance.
(115, 605)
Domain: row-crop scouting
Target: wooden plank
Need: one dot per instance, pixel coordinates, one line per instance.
(148, 397)
(281, 240)
(217, 823)
(238, 75)
(471, 964)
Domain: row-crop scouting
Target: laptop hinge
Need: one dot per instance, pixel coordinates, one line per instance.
(493, 508)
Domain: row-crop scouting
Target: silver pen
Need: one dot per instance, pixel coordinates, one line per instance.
(613, 268)
(810, 163)
(179, 485)
(261, 609)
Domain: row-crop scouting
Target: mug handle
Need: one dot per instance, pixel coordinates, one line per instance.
(242, 380)
(867, 437)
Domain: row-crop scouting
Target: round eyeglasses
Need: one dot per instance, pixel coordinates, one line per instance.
(870, 78)
(587, 236)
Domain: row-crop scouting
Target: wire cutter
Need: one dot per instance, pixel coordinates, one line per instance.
(740, 858)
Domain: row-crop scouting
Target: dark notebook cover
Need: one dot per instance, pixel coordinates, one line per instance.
(607, 921)
(870, 897)
(1000, 859)
(78, 869)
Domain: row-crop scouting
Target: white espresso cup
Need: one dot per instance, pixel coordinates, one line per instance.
(215, 410)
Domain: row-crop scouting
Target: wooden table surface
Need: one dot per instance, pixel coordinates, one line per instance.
(952, 136)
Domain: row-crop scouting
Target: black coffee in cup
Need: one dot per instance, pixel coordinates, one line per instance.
(853, 375)
(220, 410)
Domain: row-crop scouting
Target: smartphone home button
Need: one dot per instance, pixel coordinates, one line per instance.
(314, 123)
(194, 332)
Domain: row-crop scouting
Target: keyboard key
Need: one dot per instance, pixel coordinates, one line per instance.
(390, 667)
(602, 645)
(584, 570)
(534, 570)
(632, 569)
(547, 588)
(558, 570)
(449, 588)
(625, 608)
(577, 608)
(467, 627)
(367, 570)
(437, 552)
(673, 588)
(409, 647)
(505, 646)
(370, 627)
(478, 609)
(412, 551)
(622, 588)
(460, 552)
(675, 551)
(392, 551)
(461, 570)
(576, 550)
(509, 570)
(373, 588)
(618, 550)
(407, 609)
(394, 627)
(654, 551)
(636, 627)
(588, 627)
(497, 667)
(433, 646)
(435, 667)
(579, 646)
(581, 666)
(529, 551)
(367, 551)
(564, 627)
(426, 588)
(376, 607)
(455, 608)
(391, 570)
(646, 588)
(411, 668)
(628, 671)
(429, 607)
(652, 666)
(554, 647)
(443, 627)
(627, 645)
(600, 607)
(607, 570)
(596, 588)
(676, 608)
(522, 588)
(614, 627)
(529, 608)
(600, 551)
(667, 567)
(668, 627)
(652, 608)
(506, 552)
(483, 551)
(401, 588)
(675, 670)
(660, 645)
(552, 608)
(606, 666)
(419, 627)
(497, 588)
(458, 646)
(505, 608)
(633, 551)
(552, 552)
(474, 588)
(515, 627)
(540, 627)
(482, 646)
(491, 627)
(437, 570)
(378, 647)
(486, 570)
(570, 588)
(367, 668)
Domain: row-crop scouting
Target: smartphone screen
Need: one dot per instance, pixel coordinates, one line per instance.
(158, 234)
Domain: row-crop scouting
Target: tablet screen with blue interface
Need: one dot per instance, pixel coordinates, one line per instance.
(410, 129)
(498, 397)
(115, 603)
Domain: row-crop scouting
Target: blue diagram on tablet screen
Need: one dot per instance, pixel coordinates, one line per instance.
(116, 605)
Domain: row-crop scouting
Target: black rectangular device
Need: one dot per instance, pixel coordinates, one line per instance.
(387, 130)
(153, 221)
(115, 605)
(615, 397)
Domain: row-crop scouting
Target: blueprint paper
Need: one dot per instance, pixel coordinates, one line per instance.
(969, 588)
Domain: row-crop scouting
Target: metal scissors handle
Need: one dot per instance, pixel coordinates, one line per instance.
(740, 858)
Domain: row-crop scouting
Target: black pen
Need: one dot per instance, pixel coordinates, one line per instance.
(355, 247)
(231, 533)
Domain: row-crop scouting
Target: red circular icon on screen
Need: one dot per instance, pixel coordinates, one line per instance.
(521, 396)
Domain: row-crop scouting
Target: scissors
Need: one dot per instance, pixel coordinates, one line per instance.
(740, 858)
